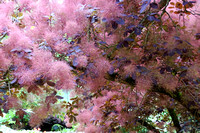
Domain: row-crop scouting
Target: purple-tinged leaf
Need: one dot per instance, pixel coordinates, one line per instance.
(130, 26)
(124, 15)
(5, 108)
(171, 53)
(130, 15)
(188, 42)
(59, 97)
(168, 69)
(162, 70)
(27, 50)
(129, 39)
(54, 93)
(140, 26)
(78, 41)
(142, 70)
(72, 42)
(94, 19)
(111, 71)
(185, 3)
(3, 91)
(118, 1)
(183, 73)
(154, 45)
(178, 51)
(133, 76)
(154, 5)
(5, 97)
(192, 1)
(75, 62)
(76, 48)
(119, 45)
(120, 21)
(15, 50)
(73, 53)
(20, 54)
(197, 36)
(13, 81)
(110, 33)
(188, 2)
(153, 13)
(151, 18)
(114, 24)
(177, 38)
(1, 101)
(104, 20)
(144, 5)
(156, 19)
(28, 57)
(135, 17)
(125, 43)
(102, 42)
(104, 53)
(137, 31)
(184, 67)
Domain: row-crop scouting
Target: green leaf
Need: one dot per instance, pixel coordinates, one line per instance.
(71, 119)
(165, 28)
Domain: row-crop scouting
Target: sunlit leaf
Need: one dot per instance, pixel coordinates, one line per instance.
(172, 3)
(13, 81)
(179, 5)
(71, 119)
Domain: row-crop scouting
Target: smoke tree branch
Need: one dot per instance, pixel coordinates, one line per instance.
(172, 94)
(174, 117)
(148, 126)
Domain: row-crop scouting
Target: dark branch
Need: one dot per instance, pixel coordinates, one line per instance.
(173, 94)
(176, 96)
(174, 117)
(148, 126)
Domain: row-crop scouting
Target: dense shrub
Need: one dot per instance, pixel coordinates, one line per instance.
(124, 62)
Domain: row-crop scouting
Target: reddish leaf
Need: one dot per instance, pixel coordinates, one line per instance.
(20, 113)
(31, 88)
(50, 99)
(17, 122)
(59, 97)
(1, 113)
(179, 5)
(71, 119)
(50, 83)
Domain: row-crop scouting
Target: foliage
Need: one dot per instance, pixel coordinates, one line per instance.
(14, 119)
(8, 118)
(56, 127)
(123, 61)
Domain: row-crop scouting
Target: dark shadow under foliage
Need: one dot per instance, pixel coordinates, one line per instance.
(50, 121)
